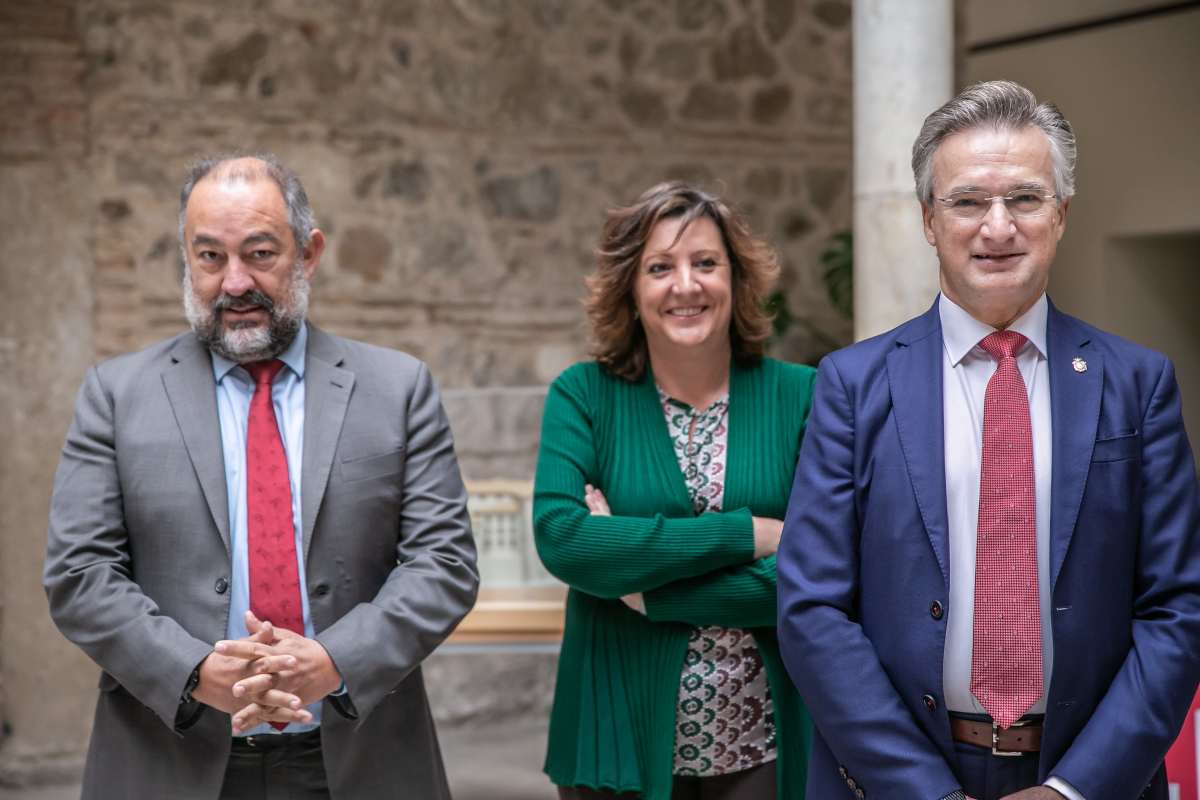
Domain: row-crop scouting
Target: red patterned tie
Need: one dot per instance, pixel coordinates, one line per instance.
(1006, 663)
(271, 542)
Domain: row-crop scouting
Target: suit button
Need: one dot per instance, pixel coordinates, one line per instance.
(321, 589)
(860, 794)
(851, 783)
(936, 611)
(930, 702)
(221, 586)
(842, 772)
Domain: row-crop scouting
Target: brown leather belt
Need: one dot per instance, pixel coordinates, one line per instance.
(1016, 740)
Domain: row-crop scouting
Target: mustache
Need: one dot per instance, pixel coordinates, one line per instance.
(251, 299)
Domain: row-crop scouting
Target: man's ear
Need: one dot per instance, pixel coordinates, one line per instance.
(1063, 207)
(312, 253)
(927, 223)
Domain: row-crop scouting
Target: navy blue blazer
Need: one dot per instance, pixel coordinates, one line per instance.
(865, 555)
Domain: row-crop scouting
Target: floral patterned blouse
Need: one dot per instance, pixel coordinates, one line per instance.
(725, 720)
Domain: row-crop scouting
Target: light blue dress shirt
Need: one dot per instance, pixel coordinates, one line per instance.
(235, 389)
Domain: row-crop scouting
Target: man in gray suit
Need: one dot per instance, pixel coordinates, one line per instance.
(259, 519)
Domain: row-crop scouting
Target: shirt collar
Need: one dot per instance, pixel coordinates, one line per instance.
(961, 332)
(293, 357)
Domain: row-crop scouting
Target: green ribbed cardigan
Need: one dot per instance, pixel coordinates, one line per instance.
(613, 721)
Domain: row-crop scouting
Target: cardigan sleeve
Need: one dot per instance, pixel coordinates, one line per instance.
(741, 596)
(610, 556)
(734, 597)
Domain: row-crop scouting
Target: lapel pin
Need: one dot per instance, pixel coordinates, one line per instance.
(1079, 364)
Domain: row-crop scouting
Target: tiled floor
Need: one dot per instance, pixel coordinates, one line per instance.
(484, 763)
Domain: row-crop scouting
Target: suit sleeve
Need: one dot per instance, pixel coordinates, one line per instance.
(93, 598)
(435, 579)
(1147, 700)
(852, 701)
(610, 556)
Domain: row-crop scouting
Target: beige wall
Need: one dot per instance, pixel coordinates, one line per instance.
(1130, 91)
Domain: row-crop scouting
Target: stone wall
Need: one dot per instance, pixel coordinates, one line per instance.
(459, 154)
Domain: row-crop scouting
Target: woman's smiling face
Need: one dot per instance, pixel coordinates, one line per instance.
(684, 287)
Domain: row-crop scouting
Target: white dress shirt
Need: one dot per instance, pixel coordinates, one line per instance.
(966, 370)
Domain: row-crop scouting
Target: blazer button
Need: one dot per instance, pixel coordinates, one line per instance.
(859, 793)
(321, 589)
(936, 611)
(930, 702)
(221, 586)
(842, 772)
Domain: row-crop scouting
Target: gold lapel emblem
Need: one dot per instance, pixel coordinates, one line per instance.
(1079, 364)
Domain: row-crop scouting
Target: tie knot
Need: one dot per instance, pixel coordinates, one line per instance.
(264, 372)
(1002, 344)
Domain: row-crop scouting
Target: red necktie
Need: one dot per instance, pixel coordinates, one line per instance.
(271, 536)
(1006, 663)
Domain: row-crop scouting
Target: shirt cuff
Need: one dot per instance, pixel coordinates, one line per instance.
(959, 795)
(341, 691)
(1062, 787)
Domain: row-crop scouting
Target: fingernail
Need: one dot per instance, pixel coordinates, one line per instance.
(291, 662)
(220, 647)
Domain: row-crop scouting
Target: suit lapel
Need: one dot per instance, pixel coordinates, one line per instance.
(915, 380)
(192, 393)
(1075, 413)
(327, 390)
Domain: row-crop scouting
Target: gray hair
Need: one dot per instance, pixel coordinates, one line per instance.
(300, 213)
(1002, 105)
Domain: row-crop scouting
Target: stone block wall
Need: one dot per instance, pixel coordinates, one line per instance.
(459, 154)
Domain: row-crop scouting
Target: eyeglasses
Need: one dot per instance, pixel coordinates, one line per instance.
(974, 206)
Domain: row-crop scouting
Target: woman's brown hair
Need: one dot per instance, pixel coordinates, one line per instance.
(618, 339)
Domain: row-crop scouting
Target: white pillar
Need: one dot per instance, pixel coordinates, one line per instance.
(903, 70)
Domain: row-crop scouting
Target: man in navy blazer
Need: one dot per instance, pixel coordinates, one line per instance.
(877, 566)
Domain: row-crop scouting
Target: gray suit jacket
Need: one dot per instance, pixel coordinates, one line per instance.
(138, 561)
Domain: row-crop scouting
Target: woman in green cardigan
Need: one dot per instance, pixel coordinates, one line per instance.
(662, 479)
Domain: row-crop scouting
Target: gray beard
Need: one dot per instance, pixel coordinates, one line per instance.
(253, 343)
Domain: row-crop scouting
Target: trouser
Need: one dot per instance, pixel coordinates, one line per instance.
(276, 767)
(756, 783)
(988, 777)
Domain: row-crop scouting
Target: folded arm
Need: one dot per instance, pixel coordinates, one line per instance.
(611, 556)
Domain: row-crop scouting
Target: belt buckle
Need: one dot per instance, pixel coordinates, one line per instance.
(996, 740)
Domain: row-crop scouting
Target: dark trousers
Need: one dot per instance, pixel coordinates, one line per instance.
(276, 767)
(988, 777)
(757, 783)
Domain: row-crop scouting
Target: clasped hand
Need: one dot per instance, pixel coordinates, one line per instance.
(270, 676)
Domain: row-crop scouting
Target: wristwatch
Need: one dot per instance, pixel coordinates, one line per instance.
(189, 707)
(192, 682)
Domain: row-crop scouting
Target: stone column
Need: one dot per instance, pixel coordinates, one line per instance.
(903, 69)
